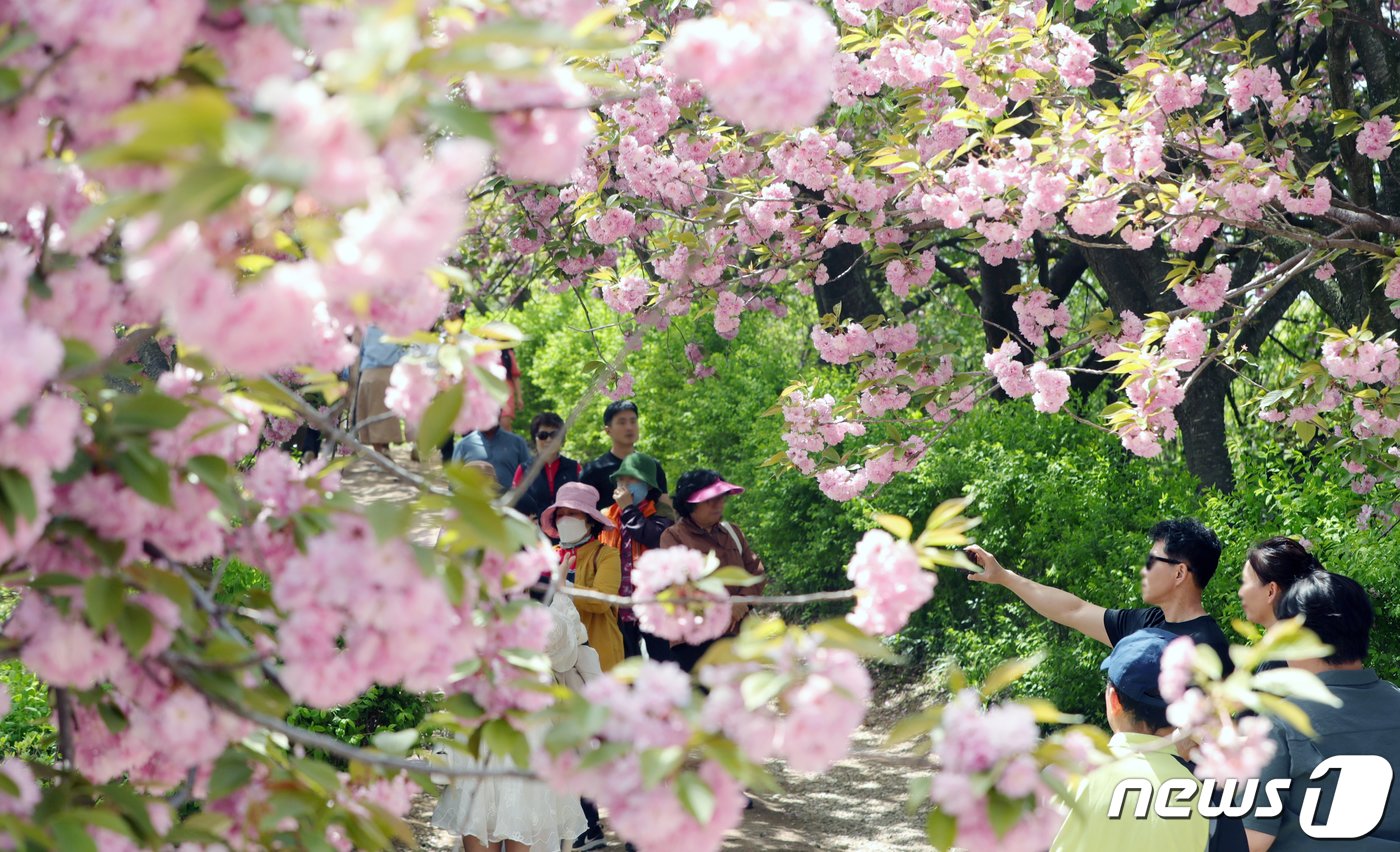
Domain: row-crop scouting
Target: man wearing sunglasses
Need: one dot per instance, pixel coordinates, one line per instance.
(1181, 561)
(547, 431)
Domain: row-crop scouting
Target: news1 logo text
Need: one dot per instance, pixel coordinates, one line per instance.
(1358, 805)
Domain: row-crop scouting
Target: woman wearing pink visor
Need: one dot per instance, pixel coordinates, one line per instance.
(699, 499)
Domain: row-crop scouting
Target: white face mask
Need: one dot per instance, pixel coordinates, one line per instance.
(571, 530)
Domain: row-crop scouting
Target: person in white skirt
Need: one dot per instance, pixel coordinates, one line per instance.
(520, 814)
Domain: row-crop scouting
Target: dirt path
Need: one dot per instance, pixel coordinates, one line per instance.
(856, 806)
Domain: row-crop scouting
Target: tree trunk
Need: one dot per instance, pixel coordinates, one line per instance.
(849, 287)
(1132, 280)
(998, 317)
(1201, 417)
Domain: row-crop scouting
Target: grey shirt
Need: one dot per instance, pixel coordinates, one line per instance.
(504, 450)
(1367, 723)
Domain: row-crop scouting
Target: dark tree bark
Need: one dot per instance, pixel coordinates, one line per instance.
(851, 285)
(1132, 281)
(998, 317)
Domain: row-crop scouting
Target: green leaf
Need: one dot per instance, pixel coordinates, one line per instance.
(70, 834)
(147, 411)
(461, 120)
(204, 189)
(11, 84)
(198, 115)
(1009, 672)
(504, 740)
(920, 724)
(840, 633)
(1286, 710)
(135, 625)
(231, 772)
(1296, 683)
(16, 42)
(108, 819)
(763, 686)
(696, 796)
(463, 706)
(659, 763)
(18, 494)
(145, 474)
(389, 520)
(437, 421)
(920, 786)
(732, 575)
(582, 722)
(1002, 813)
(103, 598)
(941, 830)
(395, 742)
(896, 525)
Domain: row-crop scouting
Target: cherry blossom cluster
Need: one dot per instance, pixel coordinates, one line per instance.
(891, 585)
(812, 426)
(809, 722)
(172, 729)
(361, 611)
(651, 712)
(467, 365)
(1227, 747)
(766, 64)
(1034, 316)
(1049, 388)
(687, 609)
(991, 752)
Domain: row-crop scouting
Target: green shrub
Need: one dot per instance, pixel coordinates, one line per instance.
(381, 708)
(25, 731)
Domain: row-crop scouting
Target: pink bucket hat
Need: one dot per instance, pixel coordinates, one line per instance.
(713, 490)
(573, 495)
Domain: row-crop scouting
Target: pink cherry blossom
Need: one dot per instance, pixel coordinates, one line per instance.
(541, 126)
(891, 584)
(1240, 750)
(690, 614)
(1374, 140)
(1051, 388)
(1206, 293)
(1185, 341)
(22, 777)
(1009, 373)
(611, 225)
(766, 64)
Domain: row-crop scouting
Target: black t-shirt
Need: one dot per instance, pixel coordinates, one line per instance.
(1204, 630)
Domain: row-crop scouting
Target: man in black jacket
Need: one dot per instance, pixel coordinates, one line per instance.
(620, 423)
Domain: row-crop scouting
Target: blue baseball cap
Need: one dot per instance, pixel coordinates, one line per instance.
(1135, 664)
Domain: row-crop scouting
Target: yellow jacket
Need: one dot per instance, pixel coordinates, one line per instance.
(598, 567)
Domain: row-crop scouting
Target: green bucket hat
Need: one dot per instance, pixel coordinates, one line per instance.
(639, 466)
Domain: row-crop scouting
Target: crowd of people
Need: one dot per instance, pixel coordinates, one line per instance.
(1280, 579)
(602, 515)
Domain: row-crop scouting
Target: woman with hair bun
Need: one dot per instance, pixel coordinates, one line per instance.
(1270, 568)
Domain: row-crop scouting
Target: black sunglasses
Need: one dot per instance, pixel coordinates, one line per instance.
(544, 436)
(1152, 557)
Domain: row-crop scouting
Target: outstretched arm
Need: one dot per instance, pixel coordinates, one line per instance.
(1057, 605)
